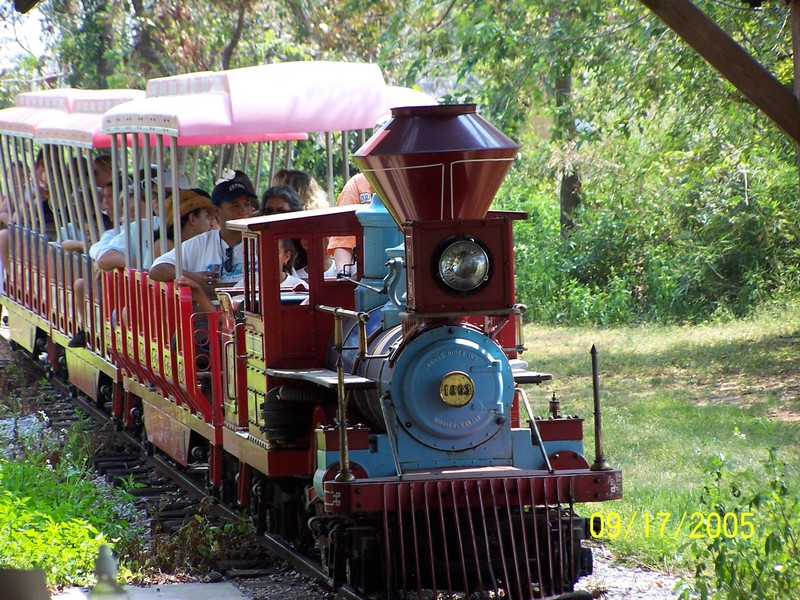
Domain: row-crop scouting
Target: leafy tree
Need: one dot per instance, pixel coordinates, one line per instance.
(87, 42)
(677, 194)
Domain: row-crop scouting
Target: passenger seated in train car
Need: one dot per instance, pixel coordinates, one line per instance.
(280, 199)
(12, 181)
(113, 256)
(241, 177)
(70, 234)
(39, 182)
(289, 282)
(195, 210)
(287, 252)
(311, 194)
(103, 173)
(276, 199)
(216, 256)
(330, 266)
(79, 288)
(183, 181)
(357, 190)
(13, 177)
(284, 199)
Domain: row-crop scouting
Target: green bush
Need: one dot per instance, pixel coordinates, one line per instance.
(754, 553)
(53, 515)
(672, 228)
(195, 547)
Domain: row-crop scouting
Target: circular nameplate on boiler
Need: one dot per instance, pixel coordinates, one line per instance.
(456, 388)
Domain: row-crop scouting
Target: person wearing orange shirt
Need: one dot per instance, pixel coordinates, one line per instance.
(357, 190)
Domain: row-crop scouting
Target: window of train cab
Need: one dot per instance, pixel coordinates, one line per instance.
(296, 335)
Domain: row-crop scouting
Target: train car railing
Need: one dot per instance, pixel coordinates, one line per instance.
(25, 239)
(59, 202)
(76, 155)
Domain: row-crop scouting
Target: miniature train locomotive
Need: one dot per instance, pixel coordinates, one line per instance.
(432, 484)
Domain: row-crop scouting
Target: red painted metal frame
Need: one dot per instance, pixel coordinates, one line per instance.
(115, 291)
(154, 312)
(12, 274)
(41, 289)
(27, 251)
(71, 272)
(27, 280)
(57, 306)
(162, 326)
(110, 293)
(430, 489)
(234, 372)
(196, 401)
(141, 325)
(92, 310)
(565, 428)
(294, 336)
(128, 320)
(297, 336)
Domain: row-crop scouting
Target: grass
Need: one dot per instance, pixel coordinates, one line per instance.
(673, 397)
(53, 514)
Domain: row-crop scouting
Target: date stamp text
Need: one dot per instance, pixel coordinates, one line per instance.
(697, 525)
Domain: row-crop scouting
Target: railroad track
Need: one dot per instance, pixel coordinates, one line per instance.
(168, 494)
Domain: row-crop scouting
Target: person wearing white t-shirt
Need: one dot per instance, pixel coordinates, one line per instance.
(288, 283)
(287, 252)
(111, 255)
(329, 265)
(214, 257)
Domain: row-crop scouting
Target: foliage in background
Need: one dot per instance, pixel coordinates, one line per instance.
(687, 194)
(670, 230)
(53, 515)
(761, 560)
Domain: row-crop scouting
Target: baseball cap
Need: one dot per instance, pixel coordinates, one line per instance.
(241, 177)
(228, 191)
(190, 200)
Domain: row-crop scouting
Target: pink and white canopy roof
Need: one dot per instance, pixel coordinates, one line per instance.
(66, 115)
(262, 103)
(82, 126)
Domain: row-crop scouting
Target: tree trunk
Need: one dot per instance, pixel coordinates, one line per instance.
(144, 47)
(301, 18)
(227, 54)
(570, 197)
(106, 67)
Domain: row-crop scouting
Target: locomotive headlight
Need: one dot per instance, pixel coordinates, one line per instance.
(464, 265)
